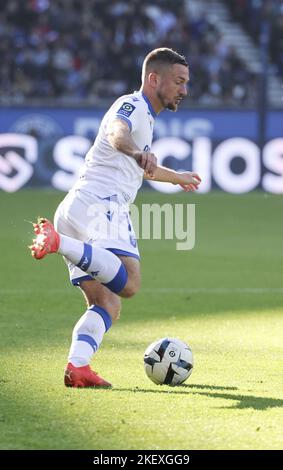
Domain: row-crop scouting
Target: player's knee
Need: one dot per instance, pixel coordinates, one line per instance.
(130, 289)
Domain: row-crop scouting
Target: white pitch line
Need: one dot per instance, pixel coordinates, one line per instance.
(215, 290)
(160, 290)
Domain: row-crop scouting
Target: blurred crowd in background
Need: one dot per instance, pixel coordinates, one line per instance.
(252, 14)
(74, 51)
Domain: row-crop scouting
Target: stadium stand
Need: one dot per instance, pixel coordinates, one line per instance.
(71, 52)
(252, 14)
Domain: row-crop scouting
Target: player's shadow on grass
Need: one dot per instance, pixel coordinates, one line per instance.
(177, 390)
(243, 401)
(246, 401)
(205, 387)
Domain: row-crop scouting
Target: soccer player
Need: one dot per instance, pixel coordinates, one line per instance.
(106, 267)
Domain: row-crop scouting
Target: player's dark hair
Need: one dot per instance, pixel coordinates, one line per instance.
(162, 56)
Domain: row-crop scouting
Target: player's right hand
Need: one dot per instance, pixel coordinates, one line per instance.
(147, 161)
(188, 180)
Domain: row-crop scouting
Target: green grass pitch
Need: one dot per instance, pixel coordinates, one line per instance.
(224, 297)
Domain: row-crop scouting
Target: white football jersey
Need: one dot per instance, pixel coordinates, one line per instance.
(107, 171)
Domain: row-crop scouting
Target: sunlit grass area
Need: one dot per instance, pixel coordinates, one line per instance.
(224, 298)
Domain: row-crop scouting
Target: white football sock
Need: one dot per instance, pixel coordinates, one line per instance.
(88, 334)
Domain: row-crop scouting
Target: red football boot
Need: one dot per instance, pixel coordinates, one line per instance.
(83, 377)
(47, 239)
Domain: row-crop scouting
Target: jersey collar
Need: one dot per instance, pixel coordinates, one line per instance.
(153, 113)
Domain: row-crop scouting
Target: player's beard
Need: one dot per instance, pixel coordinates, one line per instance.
(172, 106)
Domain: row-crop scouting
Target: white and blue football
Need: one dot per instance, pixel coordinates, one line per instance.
(168, 361)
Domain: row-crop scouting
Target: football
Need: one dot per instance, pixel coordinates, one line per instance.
(168, 361)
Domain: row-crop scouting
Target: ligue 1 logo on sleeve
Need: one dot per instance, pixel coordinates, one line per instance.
(126, 109)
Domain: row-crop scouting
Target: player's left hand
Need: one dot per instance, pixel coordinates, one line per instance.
(189, 181)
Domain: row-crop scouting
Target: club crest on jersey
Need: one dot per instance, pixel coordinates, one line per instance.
(126, 109)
